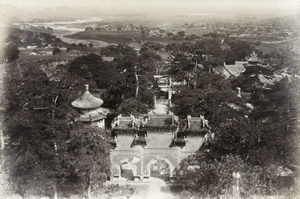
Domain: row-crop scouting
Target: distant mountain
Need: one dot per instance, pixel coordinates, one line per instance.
(61, 11)
(11, 14)
(290, 21)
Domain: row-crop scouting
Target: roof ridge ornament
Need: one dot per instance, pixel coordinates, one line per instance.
(87, 100)
(86, 87)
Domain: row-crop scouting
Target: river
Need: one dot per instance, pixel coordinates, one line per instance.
(61, 29)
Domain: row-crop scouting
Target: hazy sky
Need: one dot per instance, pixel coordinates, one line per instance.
(288, 6)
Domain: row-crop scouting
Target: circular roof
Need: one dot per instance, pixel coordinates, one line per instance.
(87, 100)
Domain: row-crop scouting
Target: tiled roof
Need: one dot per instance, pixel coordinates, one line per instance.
(160, 120)
(87, 101)
(195, 124)
(237, 68)
(92, 116)
(124, 123)
(254, 59)
(109, 59)
(228, 70)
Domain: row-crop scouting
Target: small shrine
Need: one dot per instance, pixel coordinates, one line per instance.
(253, 60)
(90, 108)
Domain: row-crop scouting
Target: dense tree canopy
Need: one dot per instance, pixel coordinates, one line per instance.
(38, 121)
(11, 52)
(92, 67)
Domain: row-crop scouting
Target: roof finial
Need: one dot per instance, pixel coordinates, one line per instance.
(86, 87)
(238, 92)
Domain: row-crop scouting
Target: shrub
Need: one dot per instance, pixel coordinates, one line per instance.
(214, 178)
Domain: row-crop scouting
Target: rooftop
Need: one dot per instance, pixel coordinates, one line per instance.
(160, 120)
(229, 70)
(92, 116)
(87, 101)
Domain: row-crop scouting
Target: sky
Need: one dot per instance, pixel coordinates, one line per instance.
(288, 6)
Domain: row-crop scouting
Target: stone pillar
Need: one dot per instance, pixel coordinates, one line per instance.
(1, 140)
(142, 168)
(170, 92)
(238, 92)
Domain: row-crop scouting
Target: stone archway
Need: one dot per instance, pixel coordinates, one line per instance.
(128, 169)
(154, 160)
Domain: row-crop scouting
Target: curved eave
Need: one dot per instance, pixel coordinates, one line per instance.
(87, 101)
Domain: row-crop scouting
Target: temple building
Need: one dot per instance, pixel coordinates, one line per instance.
(140, 142)
(254, 60)
(90, 108)
(145, 142)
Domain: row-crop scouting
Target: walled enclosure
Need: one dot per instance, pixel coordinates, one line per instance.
(139, 146)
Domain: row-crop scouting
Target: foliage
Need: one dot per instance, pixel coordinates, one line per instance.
(92, 67)
(11, 52)
(209, 98)
(279, 111)
(148, 46)
(238, 51)
(85, 158)
(133, 80)
(214, 178)
(132, 105)
(38, 123)
(55, 51)
(111, 191)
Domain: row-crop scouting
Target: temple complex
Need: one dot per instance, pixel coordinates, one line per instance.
(139, 142)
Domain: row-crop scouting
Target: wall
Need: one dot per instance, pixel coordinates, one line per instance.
(159, 146)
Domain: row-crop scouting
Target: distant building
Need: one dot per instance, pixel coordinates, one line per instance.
(254, 60)
(108, 59)
(63, 49)
(231, 70)
(74, 53)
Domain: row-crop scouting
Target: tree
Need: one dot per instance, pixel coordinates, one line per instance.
(32, 131)
(239, 50)
(92, 67)
(11, 52)
(214, 177)
(151, 46)
(55, 51)
(181, 34)
(86, 156)
(279, 111)
(38, 123)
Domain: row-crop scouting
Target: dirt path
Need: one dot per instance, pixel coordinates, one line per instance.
(161, 107)
(158, 189)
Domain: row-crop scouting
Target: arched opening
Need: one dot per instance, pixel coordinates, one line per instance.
(127, 171)
(160, 168)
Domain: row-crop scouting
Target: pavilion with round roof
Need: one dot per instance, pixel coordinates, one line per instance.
(90, 108)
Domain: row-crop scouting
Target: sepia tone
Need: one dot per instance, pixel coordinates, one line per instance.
(150, 99)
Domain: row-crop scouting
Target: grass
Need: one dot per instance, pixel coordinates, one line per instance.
(120, 37)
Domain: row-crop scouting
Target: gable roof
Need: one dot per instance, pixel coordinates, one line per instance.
(229, 70)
